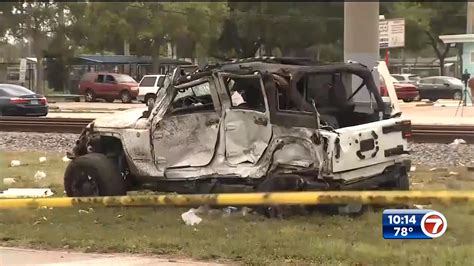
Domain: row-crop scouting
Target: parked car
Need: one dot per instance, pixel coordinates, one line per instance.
(440, 87)
(148, 87)
(16, 100)
(250, 125)
(405, 91)
(406, 78)
(108, 86)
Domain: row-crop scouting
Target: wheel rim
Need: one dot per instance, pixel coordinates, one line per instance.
(150, 101)
(84, 184)
(89, 96)
(125, 97)
(457, 96)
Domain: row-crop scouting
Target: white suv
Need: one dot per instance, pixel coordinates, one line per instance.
(148, 87)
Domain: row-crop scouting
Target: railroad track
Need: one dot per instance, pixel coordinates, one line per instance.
(421, 133)
(43, 124)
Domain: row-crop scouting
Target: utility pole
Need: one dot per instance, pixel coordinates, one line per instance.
(361, 40)
(469, 30)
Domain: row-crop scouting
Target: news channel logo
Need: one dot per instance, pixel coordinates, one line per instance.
(413, 224)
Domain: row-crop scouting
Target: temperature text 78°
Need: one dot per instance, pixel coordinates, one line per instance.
(403, 231)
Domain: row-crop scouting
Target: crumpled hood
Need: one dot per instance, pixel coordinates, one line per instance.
(120, 119)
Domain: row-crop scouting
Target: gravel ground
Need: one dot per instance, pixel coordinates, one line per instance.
(425, 154)
(28, 141)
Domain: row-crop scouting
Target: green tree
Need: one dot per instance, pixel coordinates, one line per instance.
(63, 43)
(32, 21)
(148, 26)
(426, 21)
(284, 26)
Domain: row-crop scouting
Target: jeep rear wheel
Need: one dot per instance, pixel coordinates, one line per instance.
(401, 183)
(93, 174)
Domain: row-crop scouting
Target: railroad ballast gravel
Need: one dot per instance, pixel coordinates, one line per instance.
(30, 141)
(428, 154)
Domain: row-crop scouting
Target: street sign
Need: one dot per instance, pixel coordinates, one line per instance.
(22, 70)
(391, 33)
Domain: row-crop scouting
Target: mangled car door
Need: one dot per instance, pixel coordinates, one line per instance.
(187, 134)
(247, 125)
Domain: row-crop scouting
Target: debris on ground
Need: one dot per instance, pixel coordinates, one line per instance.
(15, 163)
(26, 192)
(81, 211)
(439, 169)
(456, 142)
(40, 220)
(42, 159)
(9, 181)
(39, 175)
(190, 217)
(452, 173)
(230, 209)
(245, 211)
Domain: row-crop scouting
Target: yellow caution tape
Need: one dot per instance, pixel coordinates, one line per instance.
(277, 198)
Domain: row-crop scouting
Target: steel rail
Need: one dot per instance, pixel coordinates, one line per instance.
(420, 133)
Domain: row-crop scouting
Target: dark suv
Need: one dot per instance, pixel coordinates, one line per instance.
(108, 86)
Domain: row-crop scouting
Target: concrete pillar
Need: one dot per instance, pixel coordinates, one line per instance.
(361, 40)
(126, 52)
(470, 18)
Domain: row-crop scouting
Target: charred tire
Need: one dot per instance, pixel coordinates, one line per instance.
(281, 183)
(400, 183)
(93, 174)
(89, 96)
(125, 97)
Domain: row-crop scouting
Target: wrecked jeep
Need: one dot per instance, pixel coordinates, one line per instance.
(250, 125)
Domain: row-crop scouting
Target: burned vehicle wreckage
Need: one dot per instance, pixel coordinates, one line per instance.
(250, 125)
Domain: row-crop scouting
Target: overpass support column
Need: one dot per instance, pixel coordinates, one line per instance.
(361, 39)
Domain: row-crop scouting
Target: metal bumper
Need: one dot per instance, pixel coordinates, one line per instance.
(392, 173)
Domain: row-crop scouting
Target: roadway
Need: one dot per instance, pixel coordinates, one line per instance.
(441, 113)
(17, 256)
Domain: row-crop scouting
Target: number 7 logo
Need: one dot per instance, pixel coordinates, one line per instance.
(434, 224)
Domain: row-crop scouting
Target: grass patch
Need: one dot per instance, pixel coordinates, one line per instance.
(316, 239)
(24, 174)
(319, 239)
